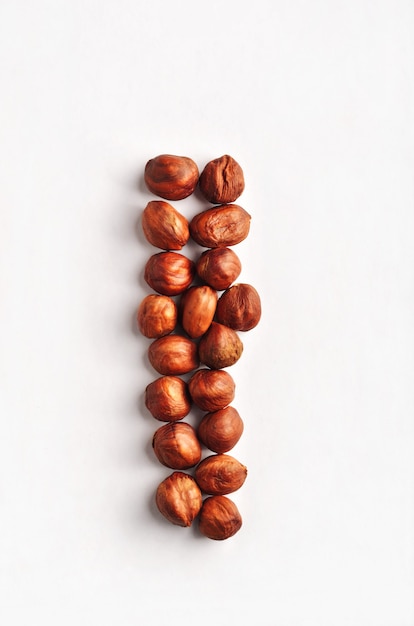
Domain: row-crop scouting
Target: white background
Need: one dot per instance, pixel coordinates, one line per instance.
(315, 100)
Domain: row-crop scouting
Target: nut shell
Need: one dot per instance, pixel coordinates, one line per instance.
(164, 227)
(219, 518)
(219, 267)
(173, 355)
(171, 177)
(239, 307)
(167, 398)
(220, 474)
(197, 308)
(176, 445)
(220, 226)
(221, 430)
(179, 499)
(222, 180)
(220, 347)
(169, 273)
(211, 390)
(156, 316)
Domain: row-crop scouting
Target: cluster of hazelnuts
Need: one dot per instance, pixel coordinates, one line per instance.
(199, 328)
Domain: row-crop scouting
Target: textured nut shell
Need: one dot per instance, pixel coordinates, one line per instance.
(239, 307)
(167, 398)
(219, 267)
(211, 390)
(197, 308)
(171, 177)
(219, 518)
(220, 474)
(221, 226)
(220, 347)
(221, 430)
(169, 273)
(179, 499)
(164, 227)
(157, 316)
(176, 445)
(173, 355)
(222, 180)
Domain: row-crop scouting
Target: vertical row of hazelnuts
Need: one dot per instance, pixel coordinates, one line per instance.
(191, 324)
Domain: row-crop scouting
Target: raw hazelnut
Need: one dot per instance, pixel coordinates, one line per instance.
(211, 390)
(167, 398)
(220, 226)
(197, 308)
(164, 227)
(157, 316)
(219, 267)
(171, 177)
(179, 499)
(219, 518)
(173, 355)
(222, 180)
(176, 446)
(169, 273)
(220, 474)
(239, 307)
(220, 347)
(221, 430)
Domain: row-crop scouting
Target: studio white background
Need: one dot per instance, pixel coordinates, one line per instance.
(315, 100)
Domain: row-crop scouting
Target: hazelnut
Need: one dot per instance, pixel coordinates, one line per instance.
(169, 273)
(221, 430)
(164, 227)
(222, 180)
(167, 398)
(220, 474)
(179, 499)
(220, 226)
(173, 355)
(219, 518)
(218, 267)
(220, 347)
(156, 316)
(197, 308)
(239, 307)
(176, 446)
(171, 177)
(211, 390)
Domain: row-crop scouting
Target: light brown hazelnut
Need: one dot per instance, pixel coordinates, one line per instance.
(219, 267)
(157, 316)
(197, 308)
(222, 180)
(211, 390)
(221, 430)
(164, 227)
(220, 226)
(239, 307)
(176, 446)
(219, 518)
(171, 177)
(220, 474)
(220, 347)
(167, 399)
(173, 355)
(179, 499)
(169, 273)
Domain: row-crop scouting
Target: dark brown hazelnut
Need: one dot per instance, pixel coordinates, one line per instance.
(219, 267)
(221, 430)
(197, 308)
(220, 226)
(220, 474)
(239, 307)
(169, 273)
(219, 518)
(211, 390)
(173, 355)
(220, 347)
(171, 177)
(157, 316)
(176, 446)
(167, 398)
(164, 227)
(179, 499)
(222, 180)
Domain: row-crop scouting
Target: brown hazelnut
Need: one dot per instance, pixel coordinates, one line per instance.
(169, 273)
(171, 177)
(220, 226)
(164, 227)
(179, 499)
(176, 446)
(220, 347)
(167, 398)
(219, 267)
(197, 308)
(239, 307)
(211, 390)
(222, 180)
(220, 474)
(173, 355)
(157, 316)
(221, 430)
(219, 518)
